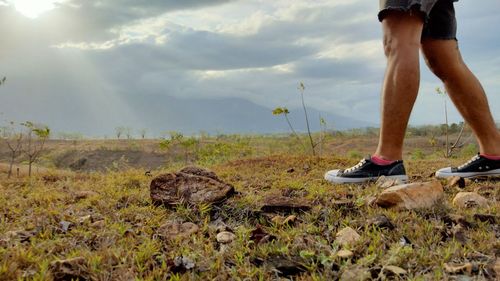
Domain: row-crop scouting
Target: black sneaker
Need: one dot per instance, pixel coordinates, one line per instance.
(366, 171)
(477, 166)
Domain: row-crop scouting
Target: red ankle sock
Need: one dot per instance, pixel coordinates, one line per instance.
(491, 157)
(381, 161)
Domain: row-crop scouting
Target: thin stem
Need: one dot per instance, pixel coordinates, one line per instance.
(293, 131)
(307, 122)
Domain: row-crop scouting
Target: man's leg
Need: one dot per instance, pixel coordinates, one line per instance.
(444, 59)
(402, 34)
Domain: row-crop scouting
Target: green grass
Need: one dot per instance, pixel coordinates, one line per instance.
(125, 244)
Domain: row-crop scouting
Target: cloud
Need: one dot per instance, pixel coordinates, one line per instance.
(88, 64)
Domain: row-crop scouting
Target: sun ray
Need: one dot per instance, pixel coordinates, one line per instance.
(33, 8)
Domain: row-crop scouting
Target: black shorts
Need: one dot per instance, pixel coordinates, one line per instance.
(440, 21)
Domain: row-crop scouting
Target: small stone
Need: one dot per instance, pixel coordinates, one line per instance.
(98, 224)
(380, 221)
(172, 230)
(469, 200)
(291, 170)
(411, 196)
(286, 266)
(84, 219)
(184, 263)
(225, 237)
(456, 182)
(383, 182)
(65, 225)
(396, 270)
(347, 236)
(404, 241)
(345, 254)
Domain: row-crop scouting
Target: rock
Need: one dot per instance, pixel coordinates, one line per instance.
(286, 266)
(456, 182)
(181, 264)
(84, 194)
(487, 191)
(411, 196)
(347, 236)
(190, 185)
(218, 226)
(404, 241)
(70, 269)
(344, 254)
(469, 200)
(383, 182)
(395, 270)
(197, 171)
(84, 219)
(65, 225)
(225, 237)
(291, 170)
(285, 204)
(98, 224)
(380, 221)
(172, 230)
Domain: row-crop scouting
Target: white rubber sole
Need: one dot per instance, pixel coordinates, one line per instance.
(446, 173)
(331, 176)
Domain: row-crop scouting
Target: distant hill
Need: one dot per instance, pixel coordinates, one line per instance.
(228, 115)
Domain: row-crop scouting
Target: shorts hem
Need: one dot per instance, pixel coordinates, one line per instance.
(383, 13)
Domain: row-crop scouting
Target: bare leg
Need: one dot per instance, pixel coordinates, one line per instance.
(402, 32)
(444, 59)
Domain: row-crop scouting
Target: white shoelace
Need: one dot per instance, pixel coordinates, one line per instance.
(468, 162)
(355, 166)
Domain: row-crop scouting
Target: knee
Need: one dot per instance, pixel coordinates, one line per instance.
(444, 71)
(394, 46)
(435, 67)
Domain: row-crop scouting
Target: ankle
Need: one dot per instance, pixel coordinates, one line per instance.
(382, 161)
(491, 157)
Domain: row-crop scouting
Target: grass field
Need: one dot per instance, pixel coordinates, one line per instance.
(85, 225)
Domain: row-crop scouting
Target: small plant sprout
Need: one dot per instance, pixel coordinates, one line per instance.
(302, 89)
(34, 142)
(284, 111)
(449, 149)
(444, 94)
(14, 141)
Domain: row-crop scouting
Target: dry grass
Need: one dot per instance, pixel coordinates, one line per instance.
(113, 227)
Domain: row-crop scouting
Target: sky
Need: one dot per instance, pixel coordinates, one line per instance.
(93, 65)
